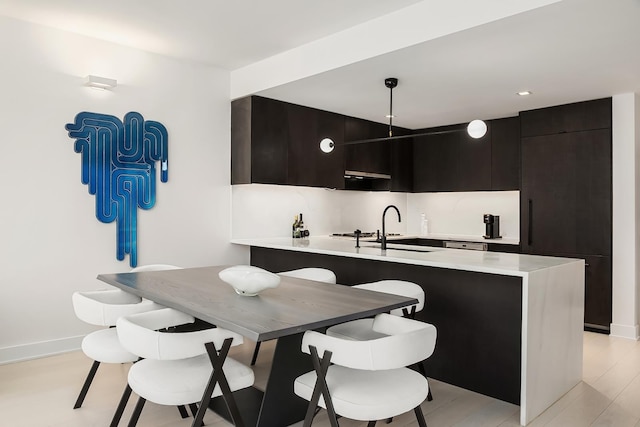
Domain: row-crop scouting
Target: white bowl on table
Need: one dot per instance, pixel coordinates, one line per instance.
(248, 280)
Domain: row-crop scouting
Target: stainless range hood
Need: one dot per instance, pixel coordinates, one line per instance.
(365, 175)
(371, 181)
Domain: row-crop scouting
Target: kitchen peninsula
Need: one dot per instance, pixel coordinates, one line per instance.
(509, 325)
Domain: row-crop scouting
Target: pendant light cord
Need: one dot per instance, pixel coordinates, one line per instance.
(390, 111)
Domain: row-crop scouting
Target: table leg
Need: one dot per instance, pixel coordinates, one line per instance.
(280, 405)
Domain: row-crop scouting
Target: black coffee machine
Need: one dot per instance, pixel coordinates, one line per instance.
(492, 224)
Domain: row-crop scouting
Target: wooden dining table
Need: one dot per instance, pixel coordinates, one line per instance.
(283, 313)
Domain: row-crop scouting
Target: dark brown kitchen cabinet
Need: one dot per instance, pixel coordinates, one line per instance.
(566, 193)
(388, 158)
(274, 142)
(597, 293)
(258, 141)
(372, 157)
(307, 164)
(505, 153)
(579, 116)
(402, 165)
(451, 161)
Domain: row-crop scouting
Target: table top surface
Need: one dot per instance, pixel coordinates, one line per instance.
(295, 306)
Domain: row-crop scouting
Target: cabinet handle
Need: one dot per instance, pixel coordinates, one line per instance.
(586, 264)
(530, 228)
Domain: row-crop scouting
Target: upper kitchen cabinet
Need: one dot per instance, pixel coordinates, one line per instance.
(307, 164)
(453, 161)
(505, 153)
(274, 142)
(379, 165)
(371, 157)
(579, 116)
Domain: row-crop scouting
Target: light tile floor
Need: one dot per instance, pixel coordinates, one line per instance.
(42, 392)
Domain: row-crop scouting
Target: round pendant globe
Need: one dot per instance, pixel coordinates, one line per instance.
(326, 145)
(477, 129)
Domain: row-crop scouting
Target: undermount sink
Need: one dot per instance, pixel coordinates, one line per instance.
(395, 248)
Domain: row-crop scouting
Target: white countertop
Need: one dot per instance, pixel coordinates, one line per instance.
(466, 238)
(508, 264)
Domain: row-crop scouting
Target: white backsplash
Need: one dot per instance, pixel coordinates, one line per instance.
(462, 213)
(268, 210)
(260, 210)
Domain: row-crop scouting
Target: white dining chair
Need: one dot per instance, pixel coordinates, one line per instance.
(103, 308)
(362, 329)
(181, 368)
(309, 273)
(368, 380)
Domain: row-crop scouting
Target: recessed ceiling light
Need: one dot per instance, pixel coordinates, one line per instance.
(525, 93)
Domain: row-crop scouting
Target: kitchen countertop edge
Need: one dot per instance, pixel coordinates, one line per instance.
(507, 264)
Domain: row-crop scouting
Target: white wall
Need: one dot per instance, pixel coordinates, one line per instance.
(626, 208)
(51, 243)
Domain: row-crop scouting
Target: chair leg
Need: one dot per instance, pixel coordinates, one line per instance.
(255, 353)
(183, 412)
(87, 383)
(217, 359)
(372, 423)
(424, 374)
(194, 411)
(120, 409)
(136, 412)
(420, 416)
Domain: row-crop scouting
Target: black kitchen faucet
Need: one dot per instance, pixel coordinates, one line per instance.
(383, 238)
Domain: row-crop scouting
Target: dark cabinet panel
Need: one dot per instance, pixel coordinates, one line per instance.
(402, 164)
(505, 153)
(597, 293)
(258, 141)
(269, 136)
(451, 161)
(368, 157)
(579, 116)
(566, 193)
(307, 164)
(274, 142)
(392, 158)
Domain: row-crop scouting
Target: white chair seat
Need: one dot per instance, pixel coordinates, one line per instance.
(368, 380)
(312, 273)
(103, 346)
(181, 382)
(364, 395)
(357, 330)
(397, 287)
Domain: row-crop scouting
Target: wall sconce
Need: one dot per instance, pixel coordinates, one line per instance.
(98, 82)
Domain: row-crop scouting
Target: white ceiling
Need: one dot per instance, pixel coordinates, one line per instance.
(567, 51)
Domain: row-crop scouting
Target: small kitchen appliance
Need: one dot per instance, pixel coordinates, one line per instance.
(492, 224)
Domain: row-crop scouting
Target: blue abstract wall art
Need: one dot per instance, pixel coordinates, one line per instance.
(119, 168)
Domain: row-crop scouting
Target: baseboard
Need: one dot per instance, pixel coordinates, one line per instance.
(39, 349)
(625, 331)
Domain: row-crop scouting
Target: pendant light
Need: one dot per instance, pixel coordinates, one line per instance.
(475, 129)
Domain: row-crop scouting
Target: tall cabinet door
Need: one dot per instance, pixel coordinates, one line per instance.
(566, 193)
